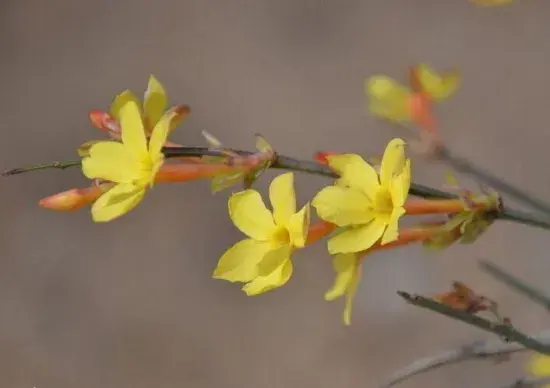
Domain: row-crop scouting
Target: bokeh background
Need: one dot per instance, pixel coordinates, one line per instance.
(132, 303)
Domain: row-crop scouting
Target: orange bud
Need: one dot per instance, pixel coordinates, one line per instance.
(420, 106)
(407, 236)
(419, 206)
(185, 172)
(104, 121)
(74, 199)
(414, 81)
(181, 113)
(319, 230)
(322, 156)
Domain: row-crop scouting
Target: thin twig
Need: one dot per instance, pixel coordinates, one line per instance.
(311, 167)
(43, 166)
(501, 329)
(477, 350)
(511, 281)
(466, 167)
(528, 383)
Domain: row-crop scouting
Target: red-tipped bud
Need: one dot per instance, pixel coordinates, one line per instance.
(322, 156)
(104, 121)
(73, 199)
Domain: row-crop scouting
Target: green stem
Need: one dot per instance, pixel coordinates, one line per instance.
(43, 166)
(503, 330)
(466, 167)
(310, 167)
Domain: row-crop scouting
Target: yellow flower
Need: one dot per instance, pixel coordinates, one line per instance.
(348, 276)
(368, 204)
(539, 366)
(263, 260)
(388, 99)
(132, 164)
(155, 101)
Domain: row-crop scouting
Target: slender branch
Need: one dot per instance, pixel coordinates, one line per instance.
(520, 286)
(311, 167)
(43, 166)
(527, 383)
(477, 350)
(466, 167)
(501, 329)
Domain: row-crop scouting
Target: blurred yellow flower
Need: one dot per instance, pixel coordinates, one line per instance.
(348, 276)
(368, 204)
(539, 366)
(263, 260)
(392, 101)
(132, 164)
(388, 99)
(437, 87)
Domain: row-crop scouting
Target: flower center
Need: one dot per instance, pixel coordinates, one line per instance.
(383, 202)
(149, 169)
(281, 235)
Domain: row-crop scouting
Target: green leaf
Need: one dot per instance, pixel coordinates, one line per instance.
(224, 181)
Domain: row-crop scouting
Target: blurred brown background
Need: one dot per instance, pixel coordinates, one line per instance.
(132, 303)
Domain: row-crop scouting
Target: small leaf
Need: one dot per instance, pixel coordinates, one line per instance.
(451, 180)
(440, 241)
(473, 229)
(262, 145)
(212, 141)
(224, 181)
(439, 87)
(253, 175)
(456, 220)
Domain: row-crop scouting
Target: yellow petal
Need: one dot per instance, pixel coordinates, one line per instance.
(439, 87)
(154, 101)
(111, 161)
(240, 262)
(344, 264)
(119, 101)
(274, 259)
(393, 161)
(276, 279)
(387, 98)
(354, 172)
(249, 214)
(357, 239)
(340, 161)
(84, 149)
(133, 134)
(282, 197)
(350, 295)
(343, 206)
(160, 134)
(392, 231)
(539, 365)
(298, 226)
(400, 185)
(118, 201)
